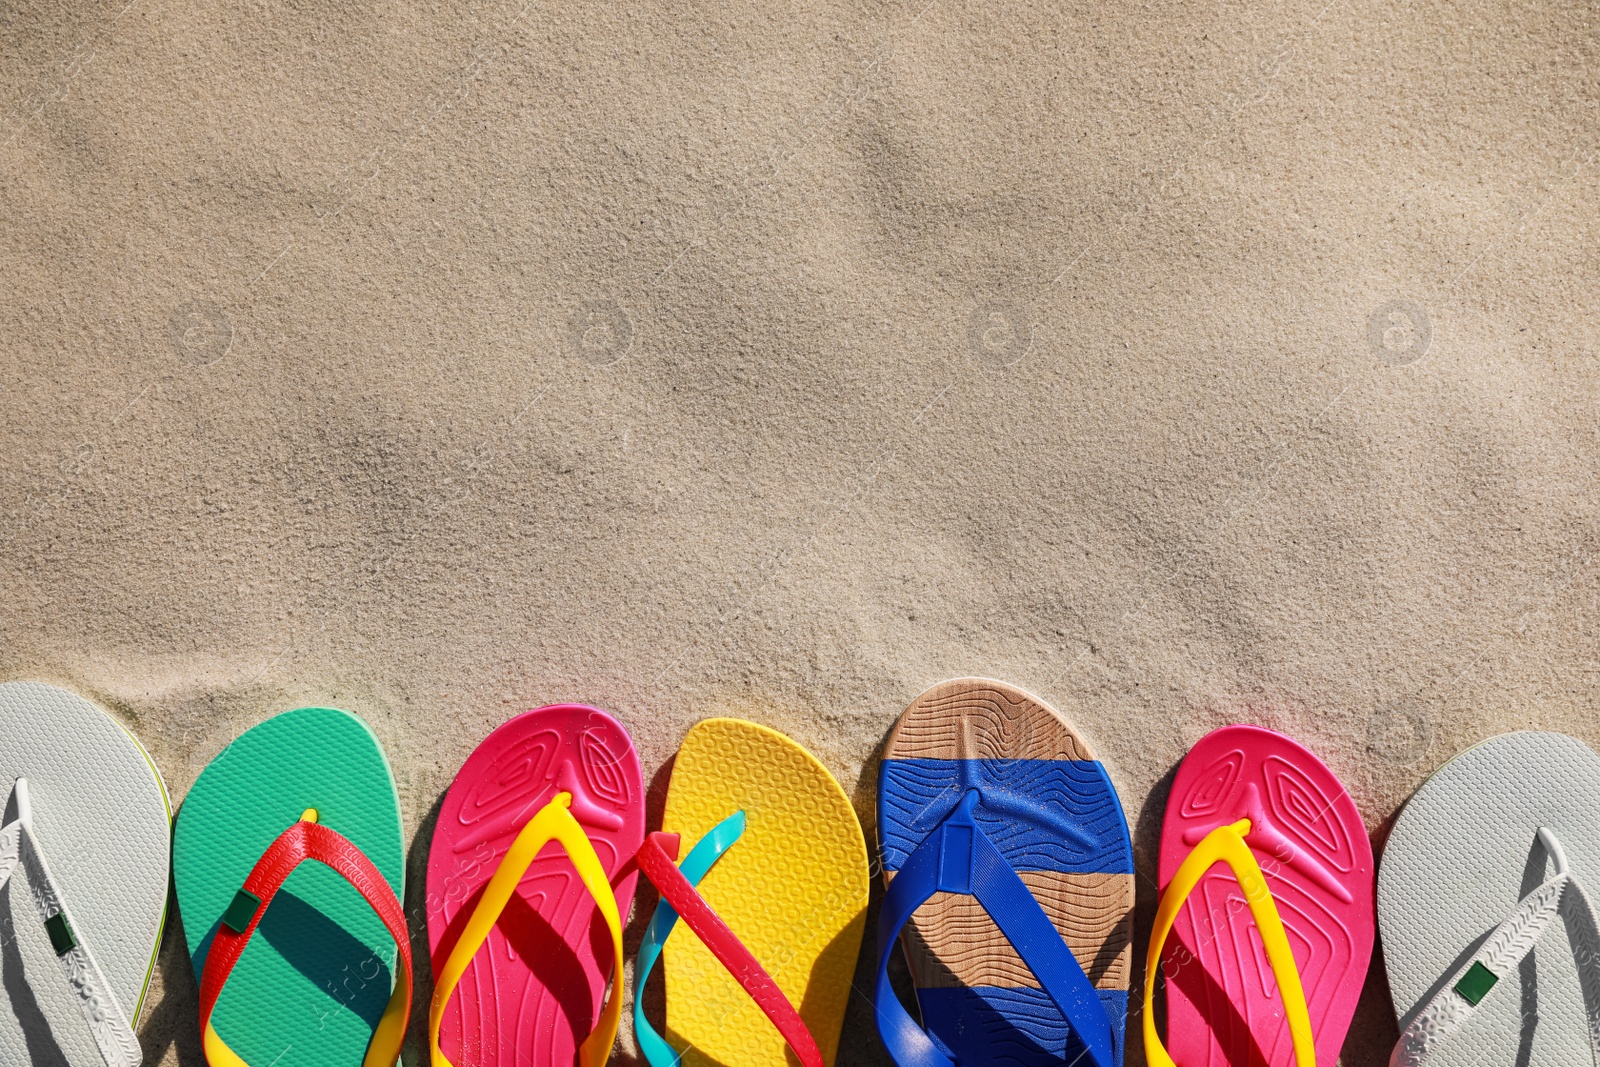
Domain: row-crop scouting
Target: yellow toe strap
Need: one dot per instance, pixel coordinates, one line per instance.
(554, 822)
(1226, 844)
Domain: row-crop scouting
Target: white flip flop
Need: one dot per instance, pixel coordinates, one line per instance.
(1484, 907)
(86, 834)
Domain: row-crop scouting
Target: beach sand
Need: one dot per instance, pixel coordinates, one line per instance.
(1184, 366)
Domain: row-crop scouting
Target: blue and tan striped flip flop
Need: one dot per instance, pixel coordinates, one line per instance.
(1010, 875)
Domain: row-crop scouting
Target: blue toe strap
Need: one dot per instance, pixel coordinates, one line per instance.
(706, 852)
(958, 857)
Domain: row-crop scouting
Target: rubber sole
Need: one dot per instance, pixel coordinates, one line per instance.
(793, 889)
(1222, 1001)
(537, 984)
(313, 982)
(1460, 857)
(1051, 809)
(103, 821)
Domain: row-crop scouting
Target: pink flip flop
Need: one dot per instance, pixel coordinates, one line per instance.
(523, 947)
(1266, 878)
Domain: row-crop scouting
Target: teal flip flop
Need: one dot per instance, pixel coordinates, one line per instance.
(312, 989)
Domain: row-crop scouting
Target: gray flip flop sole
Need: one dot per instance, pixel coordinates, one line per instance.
(1460, 857)
(103, 823)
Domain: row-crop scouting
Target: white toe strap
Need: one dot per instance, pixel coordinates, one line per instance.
(1505, 948)
(118, 1044)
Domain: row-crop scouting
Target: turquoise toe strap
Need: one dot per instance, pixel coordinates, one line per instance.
(705, 853)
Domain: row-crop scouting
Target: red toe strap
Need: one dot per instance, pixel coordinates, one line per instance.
(306, 840)
(655, 860)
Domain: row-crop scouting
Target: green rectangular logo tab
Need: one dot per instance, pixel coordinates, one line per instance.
(1476, 983)
(240, 912)
(61, 937)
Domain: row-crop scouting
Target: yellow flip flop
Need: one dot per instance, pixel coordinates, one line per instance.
(792, 889)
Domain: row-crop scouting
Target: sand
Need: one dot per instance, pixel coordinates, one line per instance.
(1182, 365)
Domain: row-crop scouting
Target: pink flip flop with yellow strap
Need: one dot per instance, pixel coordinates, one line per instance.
(1266, 920)
(526, 939)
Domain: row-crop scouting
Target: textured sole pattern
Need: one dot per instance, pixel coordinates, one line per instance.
(1043, 815)
(1050, 808)
(103, 822)
(793, 888)
(1012, 1025)
(1460, 856)
(312, 984)
(1223, 1006)
(532, 993)
(950, 948)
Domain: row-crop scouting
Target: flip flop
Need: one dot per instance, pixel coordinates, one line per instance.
(87, 821)
(1010, 872)
(700, 860)
(776, 923)
(1482, 860)
(1265, 925)
(522, 946)
(328, 982)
